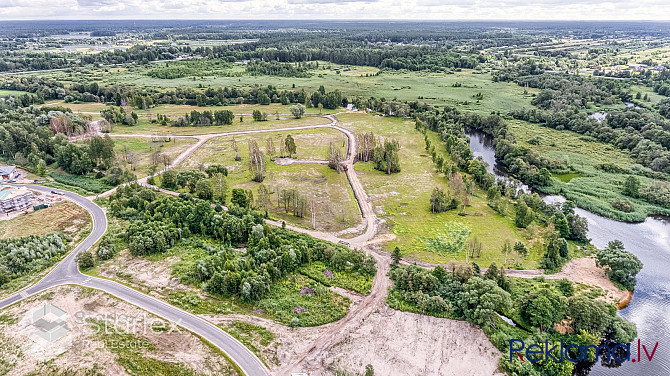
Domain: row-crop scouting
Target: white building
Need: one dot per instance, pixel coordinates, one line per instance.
(7, 172)
(14, 198)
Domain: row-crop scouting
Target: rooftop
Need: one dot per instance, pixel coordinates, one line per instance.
(6, 170)
(7, 192)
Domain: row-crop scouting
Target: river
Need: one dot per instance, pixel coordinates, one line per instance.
(650, 242)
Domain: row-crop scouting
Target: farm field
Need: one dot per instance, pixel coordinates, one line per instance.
(458, 88)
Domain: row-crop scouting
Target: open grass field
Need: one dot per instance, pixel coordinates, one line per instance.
(402, 199)
(434, 88)
(335, 206)
(143, 148)
(173, 110)
(271, 109)
(64, 217)
(90, 109)
(11, 93)
(591, 188)
(145, 126)
(653, 96)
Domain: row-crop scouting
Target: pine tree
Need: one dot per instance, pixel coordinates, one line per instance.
(396, 256)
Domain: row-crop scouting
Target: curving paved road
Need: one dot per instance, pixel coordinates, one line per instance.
(67, 272)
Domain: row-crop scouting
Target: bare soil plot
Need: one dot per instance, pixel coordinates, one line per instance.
(97, 326)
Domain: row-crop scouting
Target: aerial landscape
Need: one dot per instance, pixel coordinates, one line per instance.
(332, 196)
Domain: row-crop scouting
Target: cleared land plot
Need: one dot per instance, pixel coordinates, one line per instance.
(403, 199)
(105, 336)
(142, 149)
(65, 217)
(334, 202)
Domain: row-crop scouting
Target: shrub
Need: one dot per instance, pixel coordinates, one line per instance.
(84, 182)
(85, 260)
(624, 205)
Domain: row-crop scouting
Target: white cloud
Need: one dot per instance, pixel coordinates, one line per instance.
(336, 9)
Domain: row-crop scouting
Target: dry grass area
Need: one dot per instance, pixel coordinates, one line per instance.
(144, 274)
(90, 350)
(142, 148)
(66, 217)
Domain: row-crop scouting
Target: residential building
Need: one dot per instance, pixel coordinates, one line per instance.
(14, 198)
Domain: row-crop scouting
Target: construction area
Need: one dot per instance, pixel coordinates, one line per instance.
(14, 199)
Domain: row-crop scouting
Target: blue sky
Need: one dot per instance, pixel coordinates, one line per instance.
(337, 9)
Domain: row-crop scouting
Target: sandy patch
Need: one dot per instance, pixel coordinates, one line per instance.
(155, 275)
(584, 270)
(82, 350)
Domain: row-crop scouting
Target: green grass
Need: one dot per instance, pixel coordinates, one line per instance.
(336, 208)
(433, 88)
(143, 147)
(11, 93)
(324, 307)
(402, 199)
(565, 178)
(254, 337)
(85, 183)
(347, 280)
(145, 126)
(77, 190)
(92, 109)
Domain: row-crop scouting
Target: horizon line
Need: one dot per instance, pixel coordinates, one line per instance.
(334, 20)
